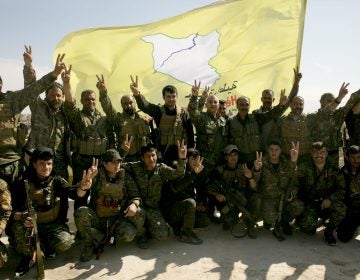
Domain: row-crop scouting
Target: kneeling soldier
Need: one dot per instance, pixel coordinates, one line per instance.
(109, 209)
(48, 195)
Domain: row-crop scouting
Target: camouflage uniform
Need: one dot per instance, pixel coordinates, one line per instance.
(267, 127)
(278, 183)
(92, 137)
(11, 105)
(246, 134)
(235, 187)
(179, 200)
(49, 199)
(109, 199)
(149, 185)
(51, 129)
(5, 211)
(210, 134)
(327, 128)
(172, 125)
(353, 128)
(349, 224)
(123, 123)
(314, 187)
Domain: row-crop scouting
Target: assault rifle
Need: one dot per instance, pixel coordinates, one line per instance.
(35, 234)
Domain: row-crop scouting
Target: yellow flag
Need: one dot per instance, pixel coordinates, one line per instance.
(237, 47)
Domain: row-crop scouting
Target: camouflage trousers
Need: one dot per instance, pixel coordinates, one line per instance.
(309, 219)
(155, 224)
(182, 215)
(270, 210)
(123, 229)
(52, 235)
(3, 254)
(347, 227)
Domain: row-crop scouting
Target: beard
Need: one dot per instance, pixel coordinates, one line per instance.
(55, 105)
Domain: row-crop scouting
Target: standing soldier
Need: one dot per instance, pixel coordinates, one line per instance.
(351, 172)
(278, 188)
(150, 177)
(11, 105)
(322, 190)
(129, 123)
(327, 127)
(89, 126)
(110, 209)
(210, 127)
(245, 129)
(49, 194)
(173, 122)
(5, 211)
(50, 127)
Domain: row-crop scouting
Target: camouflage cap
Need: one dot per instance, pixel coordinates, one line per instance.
(43, 153)
(111, 155)
(229, 148)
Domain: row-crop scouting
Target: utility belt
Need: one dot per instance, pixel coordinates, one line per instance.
(42, 217)
(107, 207)
(92, 147)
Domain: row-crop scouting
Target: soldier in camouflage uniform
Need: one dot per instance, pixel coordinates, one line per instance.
(233, 186)
(126, 124)
(322, 190)
(50, 127)
(110, 209)
(210, 128)
(182, 200)
(5, 211)
(327, 127)
(49, 194)
(11, 105)
(90, 127)
(245, 129)
(278, 188)
(150, 177)
(172, 122)
(351, 171)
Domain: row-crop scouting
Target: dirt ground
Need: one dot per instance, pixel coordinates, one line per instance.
(221, 256)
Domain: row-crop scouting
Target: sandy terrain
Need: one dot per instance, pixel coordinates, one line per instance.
(220, 257)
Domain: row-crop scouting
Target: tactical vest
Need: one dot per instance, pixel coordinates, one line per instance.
(8, 125)
(111, 195)
(94, 140)
(273, 183)
(171, 128)
(138, 129)
(233, 178)
(292, 130)
(46, 205)
(246, 138)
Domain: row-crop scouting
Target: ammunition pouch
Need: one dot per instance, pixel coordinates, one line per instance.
(107, 208)
(50, 215)
(92, 147)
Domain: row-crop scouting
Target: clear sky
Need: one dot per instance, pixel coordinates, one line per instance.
(330, 50)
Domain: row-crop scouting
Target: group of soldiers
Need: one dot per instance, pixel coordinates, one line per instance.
(136, 177)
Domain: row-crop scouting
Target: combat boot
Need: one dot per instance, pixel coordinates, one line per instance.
(87, 252)
(329, 237)
(24, 266)
(251, 230)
